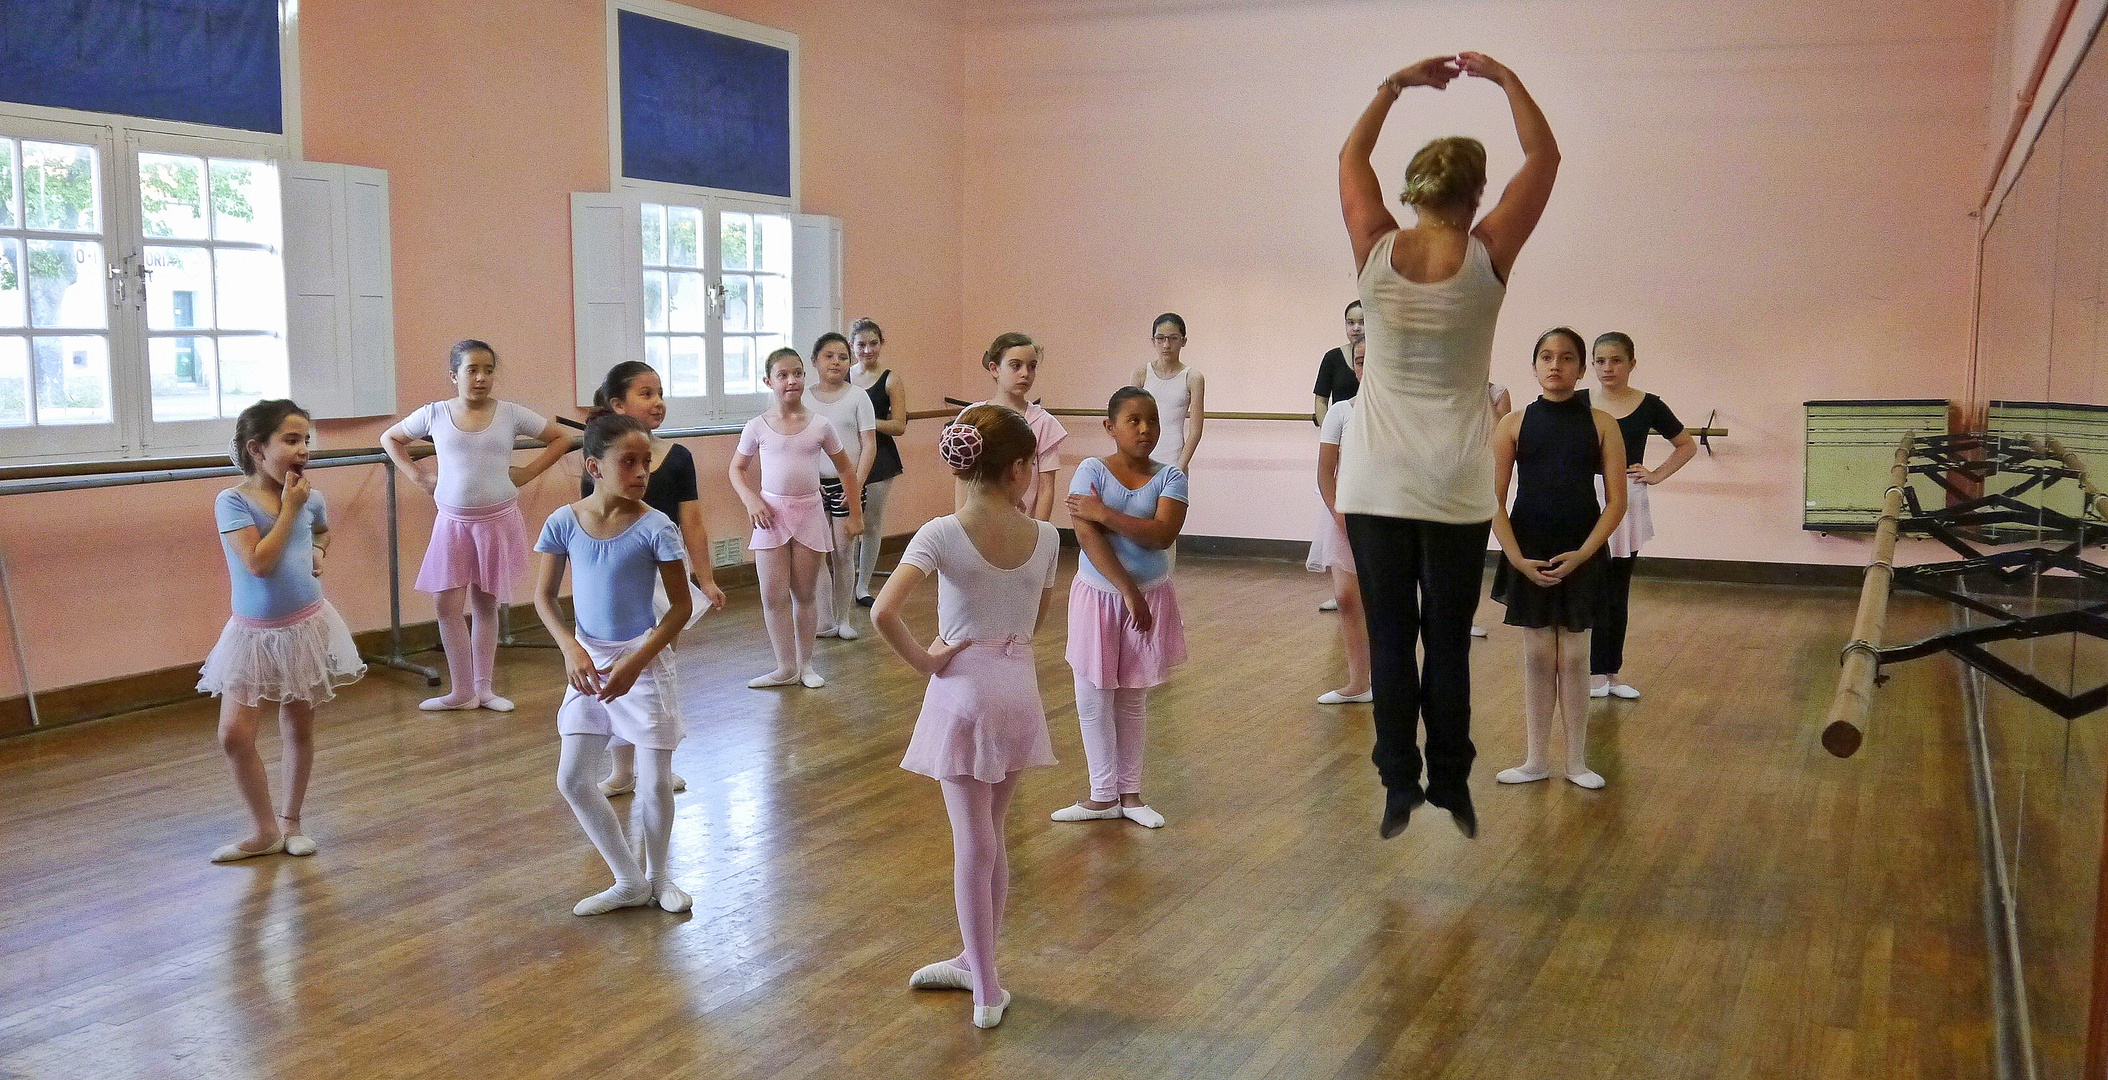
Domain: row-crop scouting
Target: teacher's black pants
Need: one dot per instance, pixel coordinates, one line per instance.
(1419, 589)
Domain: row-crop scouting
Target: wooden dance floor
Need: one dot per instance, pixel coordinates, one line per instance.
(1735, 904)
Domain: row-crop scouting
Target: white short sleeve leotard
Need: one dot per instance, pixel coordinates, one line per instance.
(475, 467)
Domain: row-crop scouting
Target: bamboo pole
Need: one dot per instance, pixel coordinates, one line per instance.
(1862, 658)
(2048, 446)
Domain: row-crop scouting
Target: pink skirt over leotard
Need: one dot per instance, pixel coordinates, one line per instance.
(1108, 652)
(794, 517)
(1330, 550)
(982, 717)
(480, 546)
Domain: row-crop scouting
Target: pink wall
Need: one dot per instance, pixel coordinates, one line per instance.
(487, 116)
(1771, 198)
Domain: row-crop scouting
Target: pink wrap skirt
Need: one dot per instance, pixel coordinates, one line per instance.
(480, 546)
(982, 717)
(794, 517)
(1105, 648)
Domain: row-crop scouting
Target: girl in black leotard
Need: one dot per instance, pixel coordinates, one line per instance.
(1638, 414)
(1553, 539)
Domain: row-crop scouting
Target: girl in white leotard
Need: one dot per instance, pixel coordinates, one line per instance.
(1180, 393)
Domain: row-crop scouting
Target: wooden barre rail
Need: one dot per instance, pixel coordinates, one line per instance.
(1861, 661)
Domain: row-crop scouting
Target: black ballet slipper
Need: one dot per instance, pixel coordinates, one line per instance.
(1458, 803)
(1398, 806)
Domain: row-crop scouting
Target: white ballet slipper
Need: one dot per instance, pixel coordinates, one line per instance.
(299, 845)
(942, 975)
(672, 897)
(811, 679)
(846, 632)
(235, 852)
(440, 704)
(601, 903)
(1143, 816)
(611, 789)
(1519, 775)
(832, 631)
(1080, 812)
(763, 682)
(1588, 780)
(1334, 697)
(1329, 605)
(1599, 691)
(497, 704)
(1478, 631)
(1624, 690)
(988, 1016)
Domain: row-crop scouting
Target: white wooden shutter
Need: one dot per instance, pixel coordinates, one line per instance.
(816, 278)
(607, 286)
(340, 297)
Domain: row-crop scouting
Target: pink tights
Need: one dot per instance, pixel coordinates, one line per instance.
(470, 655)
(980, 874)
(1115, 732)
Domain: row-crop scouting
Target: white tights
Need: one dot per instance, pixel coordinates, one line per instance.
(874, 536)
(1115, 734)
(1555, 680)
(578, 772)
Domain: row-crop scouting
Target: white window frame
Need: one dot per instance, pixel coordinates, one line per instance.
(131, 430)
(715, 405)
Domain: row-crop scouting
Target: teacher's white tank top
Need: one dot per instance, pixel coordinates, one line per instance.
(1418, 445)
(1174, 396)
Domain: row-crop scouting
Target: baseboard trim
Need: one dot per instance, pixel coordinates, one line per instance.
(83, 702)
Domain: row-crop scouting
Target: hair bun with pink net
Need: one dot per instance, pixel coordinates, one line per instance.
(961, 446)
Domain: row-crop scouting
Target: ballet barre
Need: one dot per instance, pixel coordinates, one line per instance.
(2049, 447)
(1860, 663)
(1703, 434)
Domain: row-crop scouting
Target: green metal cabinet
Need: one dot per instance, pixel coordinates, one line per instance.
(1852, 447)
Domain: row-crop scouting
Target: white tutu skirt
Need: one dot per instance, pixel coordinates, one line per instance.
(1330, 549)
(1636, 527)
(302, 657)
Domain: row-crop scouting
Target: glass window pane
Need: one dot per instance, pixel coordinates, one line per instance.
(654, 300)
(773, 246)
(739, 315)
(252, 368)
(7, 185)
(66, 284)
(735, 231)
(59, 188)
(11, 309)
(172, 196)
(73, 379)
(14, 381)
(182, 373)
(685, 313)
(251, 290)
(655, 353)
(178, 288)
(739, 366)
(654, 234)
(685, 367)
(684, 224)
(245, 201)
(773, 305)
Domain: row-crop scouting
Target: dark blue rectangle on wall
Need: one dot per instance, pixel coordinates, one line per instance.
(198, 61)
(700, 108)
